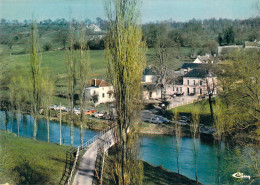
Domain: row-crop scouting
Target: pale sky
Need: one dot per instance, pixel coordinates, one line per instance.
(151, 10)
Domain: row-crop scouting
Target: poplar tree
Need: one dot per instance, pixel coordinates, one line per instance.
(83, 69)
(125, 60)
(194, 128)
(178, 138)
(71, 79)
(36, 77)
(48, 91)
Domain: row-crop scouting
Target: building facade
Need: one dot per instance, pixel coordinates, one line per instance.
(99, 91)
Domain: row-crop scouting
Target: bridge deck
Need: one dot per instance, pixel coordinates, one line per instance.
(86, 170)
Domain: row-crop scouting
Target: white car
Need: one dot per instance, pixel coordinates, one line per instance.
(98, 115)
(53, 107)
(77, 111)
(156, 120)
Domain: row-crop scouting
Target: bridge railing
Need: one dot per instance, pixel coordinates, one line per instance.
(93, 139)
(85, 145)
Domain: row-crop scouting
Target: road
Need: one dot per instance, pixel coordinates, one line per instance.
(86, 170)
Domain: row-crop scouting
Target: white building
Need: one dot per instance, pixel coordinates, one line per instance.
(196, 82)
(94, 27)
(99, 91)
(204, 59)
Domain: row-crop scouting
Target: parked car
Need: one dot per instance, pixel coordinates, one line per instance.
(163, 119)
(67, 109)
(54, 107)
(155, 120)
(179, 94)
(90, 111)
(76, 111)
(98, 115)
(185, 119)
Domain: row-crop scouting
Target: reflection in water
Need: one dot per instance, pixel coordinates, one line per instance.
(26, 130)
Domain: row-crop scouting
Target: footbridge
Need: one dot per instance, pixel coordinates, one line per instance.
(85, 172)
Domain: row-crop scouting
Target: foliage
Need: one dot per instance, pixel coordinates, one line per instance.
(36, 76)
(83, 72)
(47, 46)
(195, 133)
(71, 79)
(239, 81)
(125, 61)
(178, 138)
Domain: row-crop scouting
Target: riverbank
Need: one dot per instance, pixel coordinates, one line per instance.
(153, 175)
(25, 161)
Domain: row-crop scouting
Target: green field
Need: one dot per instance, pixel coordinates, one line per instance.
(25, 161)
(202, 106)
(54, 64)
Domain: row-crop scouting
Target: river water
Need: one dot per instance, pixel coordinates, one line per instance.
(155, 149)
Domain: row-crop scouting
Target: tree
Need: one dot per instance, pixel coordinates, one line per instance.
(47, 46)
(220, 39)
(194, 129)
(36, 76)
(163, 56)
(229, 35)
(211, 89)
(125, 59)
(178, 138)
(83, 65)
(47, 96)
(239, 81)
(219, 124)
(62, 37)
(71, 79)
(211, 47)
(18, 96)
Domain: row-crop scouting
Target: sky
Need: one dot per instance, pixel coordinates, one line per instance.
(151, 10)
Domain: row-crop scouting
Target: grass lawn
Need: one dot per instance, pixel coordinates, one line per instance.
(203, 106)
(25, 161)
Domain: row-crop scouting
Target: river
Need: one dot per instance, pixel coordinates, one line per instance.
(155, 149)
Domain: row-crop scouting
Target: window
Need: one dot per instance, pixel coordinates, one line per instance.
(194, 90)
(103, 95)
(188, 90)
(188, 82)
(200, 82)
(94, 91)
(200, 91)
(194, 82)
(177, 89)
(180, 89)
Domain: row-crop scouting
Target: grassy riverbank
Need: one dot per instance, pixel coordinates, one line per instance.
(202, 106)
(25, 161)
(153, 175)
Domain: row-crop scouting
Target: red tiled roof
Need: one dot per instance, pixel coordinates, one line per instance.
(99, 83)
